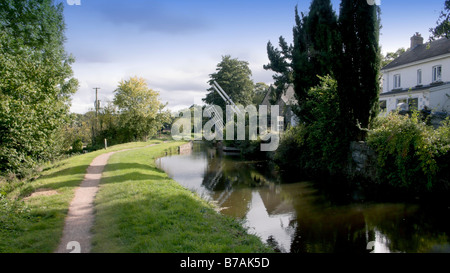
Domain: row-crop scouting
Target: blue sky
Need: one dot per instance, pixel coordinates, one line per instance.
(176, 44)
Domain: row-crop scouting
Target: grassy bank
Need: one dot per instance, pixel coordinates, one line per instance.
(30, 225)
(139, 209)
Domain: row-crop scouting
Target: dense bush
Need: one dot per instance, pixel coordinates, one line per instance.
(77, 146)
(288, 154)
(320, 146)
(410, 153)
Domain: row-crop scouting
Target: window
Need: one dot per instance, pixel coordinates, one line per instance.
(397, 81)
(408, 104)
(280, 124)
(419, 77)
(382, 105)
(437, 73)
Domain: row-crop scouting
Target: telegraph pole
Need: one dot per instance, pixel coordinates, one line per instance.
(96, 101)
(96, 115)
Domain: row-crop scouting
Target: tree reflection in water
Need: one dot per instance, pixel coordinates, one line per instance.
(297, 218)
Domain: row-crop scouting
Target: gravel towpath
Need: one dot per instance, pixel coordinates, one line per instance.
(77, 233)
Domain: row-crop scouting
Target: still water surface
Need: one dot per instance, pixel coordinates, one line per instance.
(298, 218)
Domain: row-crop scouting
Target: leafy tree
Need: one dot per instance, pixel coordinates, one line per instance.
(316, 147)
(390, 56)
(141, 112)
(35, 82)
(79, 127)
(443, 24)
(234, 76)
(358, 68)
(260, 92)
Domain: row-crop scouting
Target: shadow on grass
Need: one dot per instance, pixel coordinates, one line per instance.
(82, 170)
(168, 219)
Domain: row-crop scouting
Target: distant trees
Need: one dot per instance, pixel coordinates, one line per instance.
(141, 114)
(390, 56)
(135, 114)
(260, 91)
(35, 83)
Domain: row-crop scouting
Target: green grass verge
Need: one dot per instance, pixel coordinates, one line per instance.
(35, 225)
(139, 209)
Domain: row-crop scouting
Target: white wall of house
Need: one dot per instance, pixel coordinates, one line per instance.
(436, 99)
(440, 98)
(393, 100)
(408, 73)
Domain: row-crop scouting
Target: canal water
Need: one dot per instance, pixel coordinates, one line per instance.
(298, 217)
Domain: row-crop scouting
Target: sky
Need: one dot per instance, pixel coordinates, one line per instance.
(176, 44)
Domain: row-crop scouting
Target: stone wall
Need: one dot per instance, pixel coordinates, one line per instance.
(186, 148)
(363, 161)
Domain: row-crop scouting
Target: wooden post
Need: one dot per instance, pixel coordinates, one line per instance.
(106, 144)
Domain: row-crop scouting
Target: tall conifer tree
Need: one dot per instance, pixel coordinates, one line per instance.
(315, 38)
(358, 68)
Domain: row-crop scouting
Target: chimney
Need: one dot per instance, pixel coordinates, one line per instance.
(416, 40)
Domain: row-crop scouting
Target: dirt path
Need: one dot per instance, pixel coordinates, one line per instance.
(77, 233)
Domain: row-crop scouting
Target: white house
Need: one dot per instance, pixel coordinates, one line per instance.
(418, 78)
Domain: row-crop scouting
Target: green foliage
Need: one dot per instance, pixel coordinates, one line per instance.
(12, 215)
(326, 142)
(443, 24)
(320, 145)
(281, 64)
(234, 76)
(35, 83)
(291, 149)
(141, 112)
(79, 127)
(410, 154)
(390, 56)
(260, 92)
(77, 146)
(311, 55)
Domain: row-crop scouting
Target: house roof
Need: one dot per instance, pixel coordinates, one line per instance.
(288, 96)
(421, 52)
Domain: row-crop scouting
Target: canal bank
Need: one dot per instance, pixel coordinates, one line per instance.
(296, 216)
(139, 209)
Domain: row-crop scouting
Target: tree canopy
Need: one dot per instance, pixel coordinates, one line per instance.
(141, 114)
(234, 76)
(390, 56)
(35, 82)
(442, 28)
